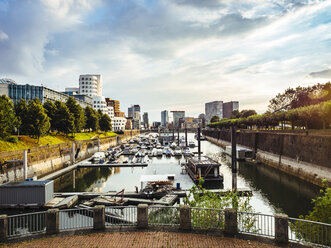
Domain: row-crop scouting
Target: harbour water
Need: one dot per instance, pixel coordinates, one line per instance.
(273, 191)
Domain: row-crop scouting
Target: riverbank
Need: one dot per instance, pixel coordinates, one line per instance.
(43, 160)
(27, 142)
(309, 172)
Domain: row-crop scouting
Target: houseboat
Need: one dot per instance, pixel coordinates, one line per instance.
(205, 168)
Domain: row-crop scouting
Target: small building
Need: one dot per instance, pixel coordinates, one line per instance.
(26, 193)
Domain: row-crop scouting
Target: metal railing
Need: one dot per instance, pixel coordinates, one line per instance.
(256, 223)
(163, 216)
(309, 232)
(121, 216)
(207, 218)
(302, 231)
(24, 224)
(75, 218)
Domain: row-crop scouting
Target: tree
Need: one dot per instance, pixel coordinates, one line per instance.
(38, 122)
(247, 112)
(105, 123)
(8, 120)
(92, 119)
(235, 114)
(282, 101)
(78, 113)
(215, 118)
(64, 120)
(50, 109)
(21, 110)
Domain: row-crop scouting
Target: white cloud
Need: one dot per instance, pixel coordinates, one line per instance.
(168, 54)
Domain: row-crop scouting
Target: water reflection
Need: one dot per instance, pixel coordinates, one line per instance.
(273, 191)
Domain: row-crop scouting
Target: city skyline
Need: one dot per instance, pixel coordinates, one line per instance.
(169, 54)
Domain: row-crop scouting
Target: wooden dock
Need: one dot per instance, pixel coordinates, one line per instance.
(88, 165)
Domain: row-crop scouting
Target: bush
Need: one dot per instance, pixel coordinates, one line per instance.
(12, 139)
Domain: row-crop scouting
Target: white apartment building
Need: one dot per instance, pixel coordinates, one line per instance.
(90, 85)
(99, 102)
(118, 123)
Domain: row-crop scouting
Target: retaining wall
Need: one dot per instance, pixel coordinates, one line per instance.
(43, 160)
(305, 156)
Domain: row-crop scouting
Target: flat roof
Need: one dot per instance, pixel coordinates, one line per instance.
(204, 160)
(25, 184)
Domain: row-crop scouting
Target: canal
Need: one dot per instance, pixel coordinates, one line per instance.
(273, 190)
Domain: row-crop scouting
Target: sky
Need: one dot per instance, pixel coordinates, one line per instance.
(169, 54)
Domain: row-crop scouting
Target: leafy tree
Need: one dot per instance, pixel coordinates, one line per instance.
(282, 101)
(38, 120)
(235, 114)
(8, 120)
(92, 119)
(105, 123)
(78, 113)
(50, 109)
(21, 110)
(64, 120)
(215, 118)
(247, 112)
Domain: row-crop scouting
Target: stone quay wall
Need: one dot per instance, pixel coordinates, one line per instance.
(44, 160)
(305, 156)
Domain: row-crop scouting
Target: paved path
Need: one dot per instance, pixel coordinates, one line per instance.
(139, 239)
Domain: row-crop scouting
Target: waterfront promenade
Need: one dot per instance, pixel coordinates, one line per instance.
(140, 239)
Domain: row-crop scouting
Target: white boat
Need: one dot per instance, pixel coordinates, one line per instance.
(159, 152)
(177, 152)
(191, 144)
(187, 152)
(98, 157)
(173, 145)
(241, 154)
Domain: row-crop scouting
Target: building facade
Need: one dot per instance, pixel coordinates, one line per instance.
(145, 121)
(28, 92)
(90, 85)
(213, 109)
(116, 106)
(228, 107)
(177, 116)
(118, 124)
(134, 113)
(164, 118)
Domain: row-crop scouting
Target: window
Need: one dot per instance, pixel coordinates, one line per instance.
(82, 90)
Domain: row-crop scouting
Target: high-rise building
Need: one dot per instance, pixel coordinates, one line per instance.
(213, 109)
(145, 120)
(90, 85)
(228, 107)
(177, 115)
(164, 118)
(134, 113)
(116, 105)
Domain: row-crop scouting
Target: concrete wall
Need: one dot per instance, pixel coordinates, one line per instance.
(305, 156)
(46, 159)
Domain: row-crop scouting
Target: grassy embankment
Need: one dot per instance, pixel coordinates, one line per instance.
(26, 142)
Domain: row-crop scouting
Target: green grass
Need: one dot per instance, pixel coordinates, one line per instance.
(26, 142)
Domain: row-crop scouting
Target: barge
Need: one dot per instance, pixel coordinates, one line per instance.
(206, 168)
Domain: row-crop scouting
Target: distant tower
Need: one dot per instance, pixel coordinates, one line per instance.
(90, 85)
(164, 118)
(212, 109)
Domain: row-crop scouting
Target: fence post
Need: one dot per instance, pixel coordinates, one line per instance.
(142, 216)
(72, 157)
(99, 217)
(3, 227)
(52, 221)
(230, 221)
(185, 218)
(281, 228)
